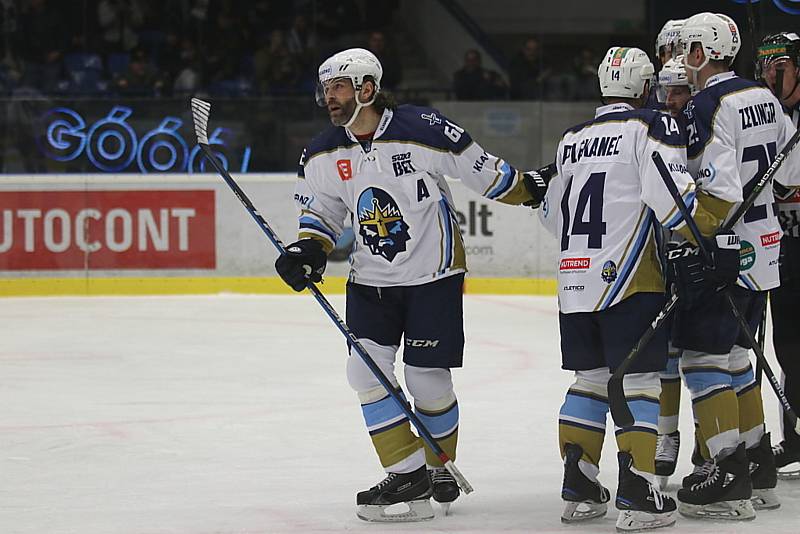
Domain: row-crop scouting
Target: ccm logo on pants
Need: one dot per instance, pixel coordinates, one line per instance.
(422, 343)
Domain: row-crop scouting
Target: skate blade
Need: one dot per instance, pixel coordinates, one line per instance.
(662, 481)
(638, 521)
(575, 512)
(445, 508)
(410, 511)
(741, 510)
(765, 499)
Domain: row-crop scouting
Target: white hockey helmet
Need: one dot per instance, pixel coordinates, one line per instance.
(673, 74)
(624, 72)
(353, 63)
(669, 36)
(717, 33)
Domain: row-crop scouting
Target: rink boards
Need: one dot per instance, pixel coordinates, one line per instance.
(135, 234)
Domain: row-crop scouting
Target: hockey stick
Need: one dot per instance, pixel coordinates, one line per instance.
(618, 405)
(200, 112)
(743, 325)
(762, 334)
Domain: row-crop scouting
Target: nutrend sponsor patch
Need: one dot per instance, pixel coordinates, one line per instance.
(769, 240)
(574, 264)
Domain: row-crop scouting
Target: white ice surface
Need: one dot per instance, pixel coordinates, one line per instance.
(232, 414)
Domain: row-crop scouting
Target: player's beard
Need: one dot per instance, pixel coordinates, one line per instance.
(343, 112)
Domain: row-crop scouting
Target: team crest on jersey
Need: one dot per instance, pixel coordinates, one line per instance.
(345, 168)
(609, 272)
(381, 225)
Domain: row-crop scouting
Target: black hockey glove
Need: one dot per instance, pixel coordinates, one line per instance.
(536, 183)
(685, 272)
(724, 270)
(303, 262)
(692, 277)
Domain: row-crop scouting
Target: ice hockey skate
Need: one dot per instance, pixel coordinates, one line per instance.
(724, 494)
(445, 487)
(763, 475)
(410, 491)
(641, 506)
(666, 456)
(787, 460)
(702, 469)
(585, 498)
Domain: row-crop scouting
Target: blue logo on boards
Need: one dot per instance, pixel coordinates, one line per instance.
(381, 225)
(112, 145)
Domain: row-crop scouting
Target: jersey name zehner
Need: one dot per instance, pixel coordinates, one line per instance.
(608, 199)
(394, 191)
(736, 128)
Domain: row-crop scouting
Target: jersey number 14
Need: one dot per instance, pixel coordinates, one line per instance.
(594, 227)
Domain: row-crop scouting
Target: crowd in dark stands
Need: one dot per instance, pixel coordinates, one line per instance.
(153, 48)
(150, 48)
(529, 77)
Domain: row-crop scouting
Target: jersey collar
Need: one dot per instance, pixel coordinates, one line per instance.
(613, 108)
(721, 77)
(383, 124)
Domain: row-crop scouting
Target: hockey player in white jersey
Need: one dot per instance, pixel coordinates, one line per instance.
(674, 91)
(735, 129)
(666, 49)
(383, 166)
(779, 67)
(605, 207)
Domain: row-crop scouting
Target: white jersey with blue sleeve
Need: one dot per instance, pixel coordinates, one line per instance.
(736, 127)
(393, 188)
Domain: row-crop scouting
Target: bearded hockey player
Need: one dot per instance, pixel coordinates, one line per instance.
(735, 128)
(383, 166)
(605, 207)
(778, 66)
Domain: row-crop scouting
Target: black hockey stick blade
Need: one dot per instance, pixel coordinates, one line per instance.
(617, 403)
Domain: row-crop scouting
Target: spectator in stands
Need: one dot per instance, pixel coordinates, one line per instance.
(186, 79)
(224, 57)
(585, 71)
(302, 43)
(276, 70)
(141, 78)
(392, 69)
(119, 20)
(526, 72)
(44, 46)
(473, 82)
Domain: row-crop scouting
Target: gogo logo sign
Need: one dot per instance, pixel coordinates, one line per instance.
(112, 145)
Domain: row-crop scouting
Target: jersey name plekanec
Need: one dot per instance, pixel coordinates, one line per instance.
(608, 201)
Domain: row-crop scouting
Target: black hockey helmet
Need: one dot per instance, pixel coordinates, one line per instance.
(783, 45)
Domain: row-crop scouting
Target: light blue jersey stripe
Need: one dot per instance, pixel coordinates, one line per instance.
(633, 257)
(381, 411)
(441, 424)
(505, 181)
(587, 408)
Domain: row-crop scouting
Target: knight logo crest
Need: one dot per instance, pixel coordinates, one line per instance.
(609, 272)
(381, 224)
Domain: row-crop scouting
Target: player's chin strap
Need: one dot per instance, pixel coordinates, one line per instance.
(359, 105)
